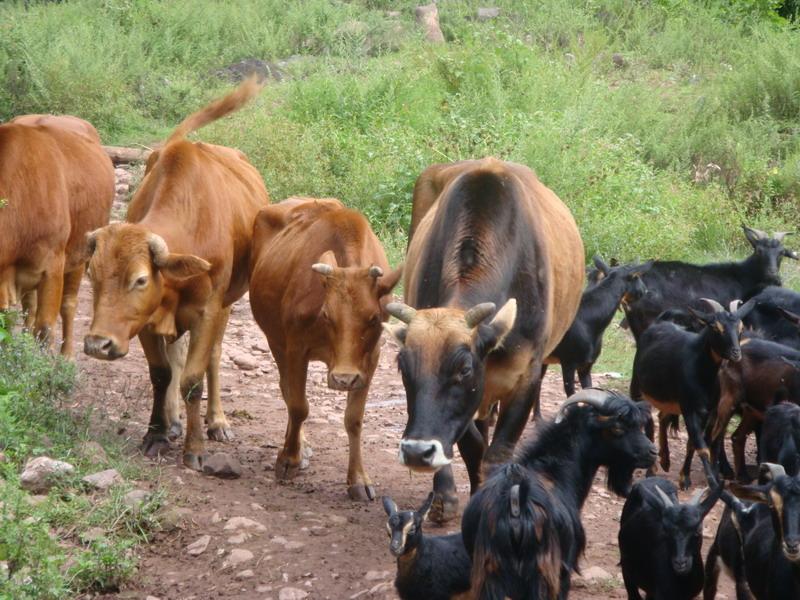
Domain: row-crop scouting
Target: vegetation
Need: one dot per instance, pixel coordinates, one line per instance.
(70, 540)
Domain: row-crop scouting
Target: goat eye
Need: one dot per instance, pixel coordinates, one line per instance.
(412, 531)
(618, 430)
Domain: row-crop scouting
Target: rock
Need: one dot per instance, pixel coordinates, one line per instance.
(619, 60)
(337, 519)
(239, 538)
(245, 362)
(237, 556)
(595, 573)
(121, 188)
(174, 517)
(135, 498)
(92, 452)
(215, 518)
(393, 14)
(42, 472)
(377, 575)
(485, 14)
(428, 18)
(92, 534)
(246, 574)
(197, 547)
(260, 347)
(238, 523)
(241, 70)
(103, 479)
(289, 593)
(152, 598)
(294, 545)
(222, 465)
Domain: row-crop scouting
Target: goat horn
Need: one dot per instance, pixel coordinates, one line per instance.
(774, 470)
(322, 269)
(697, 496)
(514, 499)
(591, 396)
(375, 272)
(158, 248)
(715, 306)
(401, 311)
(478, 314)
(666, 500)
(779, 235)
(760, 235)
(734, 306)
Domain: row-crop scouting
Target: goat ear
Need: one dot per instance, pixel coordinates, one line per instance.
(426, 507)
(389, 506)
(753, 493)
(789, 316)
(397, 330)
(704, 319)
(753, 235)
(600, 264)
(791, 254)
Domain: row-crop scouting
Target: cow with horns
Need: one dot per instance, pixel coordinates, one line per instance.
(486, 234)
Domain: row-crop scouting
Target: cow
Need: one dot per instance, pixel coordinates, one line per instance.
(58, 184)
(486, 234)
(319, 284)
(175, 266)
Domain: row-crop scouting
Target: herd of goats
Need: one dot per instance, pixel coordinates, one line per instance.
(712, 341)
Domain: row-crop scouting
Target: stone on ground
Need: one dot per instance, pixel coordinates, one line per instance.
(222, 465)
(42, 472)
(103, 479)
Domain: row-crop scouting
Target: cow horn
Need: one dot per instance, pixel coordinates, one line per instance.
(322, 269)
(695, 501)
(665, 500)
(772, 469)
(401, 311)
(779, 235)
(375, 272)
(715, 306)
(479, 313)
(591, 396)
(158, 248)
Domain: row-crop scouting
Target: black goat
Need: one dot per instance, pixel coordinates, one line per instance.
(435, 567)
(660, 541)
(774, 316)
(771, 542)
(581, 344)
(676, 371)
(522, 528)
(672, 284)
(780, 437)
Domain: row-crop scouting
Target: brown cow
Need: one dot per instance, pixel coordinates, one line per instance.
(176, 266)
(59, 184)
(487, 234)
(318, 287)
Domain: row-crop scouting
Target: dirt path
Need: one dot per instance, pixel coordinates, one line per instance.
(314, 539)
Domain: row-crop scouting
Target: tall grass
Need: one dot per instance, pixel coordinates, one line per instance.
(663, 125)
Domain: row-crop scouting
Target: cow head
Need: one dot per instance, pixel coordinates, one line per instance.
(351, 316)
(128, 266)
(768, 252)
(442, 364)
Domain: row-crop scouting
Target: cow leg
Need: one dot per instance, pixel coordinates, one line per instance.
(537, 403)
(28, 301)
(585, 376)
(293, 457)
(69, 303)
(568, 375)
(511, 422)
(48, 301)
(472, 447)
(359, 485)
(155, 440)
(176, 357)
(445, 499)
(218, 427)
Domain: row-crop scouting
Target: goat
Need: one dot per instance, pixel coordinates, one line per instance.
(671, 284)
(434, 567)
(774, 316)
(660, 541)
(766, 371)
(780, 437)
(676, 371)
(579, 348)
(522, 528)
(770, 542)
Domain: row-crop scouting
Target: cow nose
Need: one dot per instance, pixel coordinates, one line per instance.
(345, 381)
(422, 454)
(97, 346)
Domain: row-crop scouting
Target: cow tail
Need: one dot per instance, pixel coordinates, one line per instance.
(218, 109)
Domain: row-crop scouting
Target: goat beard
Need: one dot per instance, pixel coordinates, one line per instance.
(620, 479)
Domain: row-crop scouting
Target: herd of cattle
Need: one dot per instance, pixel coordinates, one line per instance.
(494, 293)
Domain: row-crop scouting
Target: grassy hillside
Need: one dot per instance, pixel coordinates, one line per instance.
(662, 124)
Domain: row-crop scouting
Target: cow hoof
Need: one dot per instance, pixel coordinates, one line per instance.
(220, 434)
(684, 482)
(665, 464)
(306, 453)
(286, 470)
(443, 509)
(175, 431)
(155, 444)
(361, 493)
(194, 461)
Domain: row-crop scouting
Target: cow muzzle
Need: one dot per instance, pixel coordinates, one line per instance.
(345, 381)
(423, 455)
(104, 348)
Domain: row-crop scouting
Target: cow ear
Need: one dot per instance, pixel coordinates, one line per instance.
(183, 266)
(328, 258)
(397, 331)
(387, 281)
(491, 336)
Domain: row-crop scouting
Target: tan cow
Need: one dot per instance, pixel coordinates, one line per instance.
(318, 287)
(58, 184)
(176, 266)
(494, 275)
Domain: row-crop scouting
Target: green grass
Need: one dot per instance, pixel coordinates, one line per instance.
(663, 157)
(44, 547)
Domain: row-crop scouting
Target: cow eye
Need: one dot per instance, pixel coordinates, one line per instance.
(374, 320)
(140, 282)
